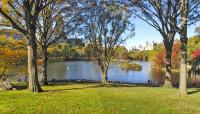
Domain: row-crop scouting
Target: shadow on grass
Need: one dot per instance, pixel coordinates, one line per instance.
(195, 91)
(96, 85)
(90, 85)
(68, 83)
(75, 88)
(20, 85)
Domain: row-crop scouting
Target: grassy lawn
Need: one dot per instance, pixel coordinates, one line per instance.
(74, 98)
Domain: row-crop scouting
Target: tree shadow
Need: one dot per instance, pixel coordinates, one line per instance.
(68, 89)
(86, 85)
(97, 85)
(21, 86)
(67, 83)
(195, 91)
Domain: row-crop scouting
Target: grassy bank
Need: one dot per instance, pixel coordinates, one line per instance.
(98, 99)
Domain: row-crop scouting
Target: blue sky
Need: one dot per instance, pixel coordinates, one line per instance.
(144, 32)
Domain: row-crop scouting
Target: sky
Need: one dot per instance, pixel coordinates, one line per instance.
(144, 33)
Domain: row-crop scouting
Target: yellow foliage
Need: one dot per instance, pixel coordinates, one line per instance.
(12, 53)
(39, 62)
(4, 4)
(10, 58)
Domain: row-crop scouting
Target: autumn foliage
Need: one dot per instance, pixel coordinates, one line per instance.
(160, 58)
(11, 55)
(195, 60)
(196, 54)
(175, 57)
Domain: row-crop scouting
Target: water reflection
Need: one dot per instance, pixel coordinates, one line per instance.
(76, 70)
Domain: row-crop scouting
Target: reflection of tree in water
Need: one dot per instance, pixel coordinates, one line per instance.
(158, 76)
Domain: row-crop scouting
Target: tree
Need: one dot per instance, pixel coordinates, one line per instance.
(160, 14)
(183, 40)
(121, 53)
(193, 44)
(196, 54)
(160, 55)
(61, 51)
(8, 59)
(105, 25)
(23, 15)
(196, 61)
(54, 22)
(189, 14)
(50, 27)
(160, 58)
(176, 55)
(88, 52)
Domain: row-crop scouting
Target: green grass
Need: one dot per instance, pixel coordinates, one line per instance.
(74, 98)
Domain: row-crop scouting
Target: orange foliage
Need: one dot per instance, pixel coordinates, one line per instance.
(10, 58)
(160, 58)
(39, 62)
(175, 57)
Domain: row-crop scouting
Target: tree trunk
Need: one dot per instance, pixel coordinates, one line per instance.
(104, 77)
(104, 71)
(183, 40)
(32, 67)
(183, 66)
(44, 66)
(168, 66)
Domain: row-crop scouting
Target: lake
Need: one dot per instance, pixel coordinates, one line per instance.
(86, 70)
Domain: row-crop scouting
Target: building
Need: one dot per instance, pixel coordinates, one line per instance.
(148, 46)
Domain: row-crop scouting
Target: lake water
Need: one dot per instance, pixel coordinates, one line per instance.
(78, 70)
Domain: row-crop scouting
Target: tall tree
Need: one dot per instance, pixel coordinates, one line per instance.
(50, 25)
(190, 14)
(54, 22)
(161, 15)
(23, 15)
(183, 40)
(105, 26)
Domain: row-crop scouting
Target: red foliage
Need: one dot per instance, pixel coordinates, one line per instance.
(160, 58)
(196, 54)
(175, 57)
